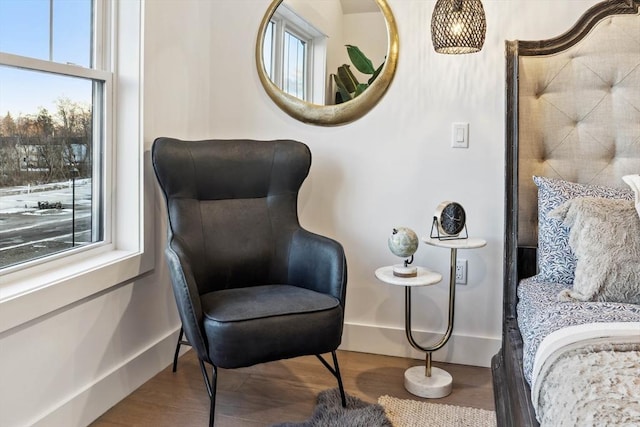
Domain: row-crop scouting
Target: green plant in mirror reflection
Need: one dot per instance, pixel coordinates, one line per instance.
(348, 86)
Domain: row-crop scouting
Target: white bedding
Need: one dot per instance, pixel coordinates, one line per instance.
(540, 314)
(588, 375)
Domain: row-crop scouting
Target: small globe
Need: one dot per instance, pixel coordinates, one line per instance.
(403, 242)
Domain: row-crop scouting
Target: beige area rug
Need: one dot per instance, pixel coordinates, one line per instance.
(413, 413)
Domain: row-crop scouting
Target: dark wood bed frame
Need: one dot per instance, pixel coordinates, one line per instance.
(511, 391)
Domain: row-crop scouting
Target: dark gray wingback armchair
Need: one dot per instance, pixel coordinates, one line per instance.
(251, 285)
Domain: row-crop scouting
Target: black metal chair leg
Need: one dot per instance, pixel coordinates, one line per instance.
(339, 378)
(211, 388)
(177, 353)
(336, 373)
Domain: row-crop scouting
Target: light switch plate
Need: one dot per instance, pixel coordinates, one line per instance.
(460, 135)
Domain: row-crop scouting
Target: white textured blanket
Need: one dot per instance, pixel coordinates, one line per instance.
(588, 375)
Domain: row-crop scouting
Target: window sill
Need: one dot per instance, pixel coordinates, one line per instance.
(28, 298)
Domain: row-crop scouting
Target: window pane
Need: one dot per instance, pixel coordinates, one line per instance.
(56, 30)
(48, 159)
(72, 29)
(294, 66)
(24, 28)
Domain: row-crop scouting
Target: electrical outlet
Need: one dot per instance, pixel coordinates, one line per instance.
(461, 271)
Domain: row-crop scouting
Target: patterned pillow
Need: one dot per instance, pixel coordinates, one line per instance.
(605, 237)
(556, 261)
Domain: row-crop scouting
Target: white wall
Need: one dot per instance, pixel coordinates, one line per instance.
(390, 168)
(393, 166)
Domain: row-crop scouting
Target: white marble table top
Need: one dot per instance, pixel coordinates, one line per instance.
(469, 243)
(425, 277)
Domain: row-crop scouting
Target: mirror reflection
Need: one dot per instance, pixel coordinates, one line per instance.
(325, 52)
(313, 47)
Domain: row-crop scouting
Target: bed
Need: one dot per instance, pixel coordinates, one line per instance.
(570, 348)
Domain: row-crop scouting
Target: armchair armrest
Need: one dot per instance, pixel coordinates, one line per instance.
(318, 263)
(187, 295)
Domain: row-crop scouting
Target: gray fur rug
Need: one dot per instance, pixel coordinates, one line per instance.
(330, 413)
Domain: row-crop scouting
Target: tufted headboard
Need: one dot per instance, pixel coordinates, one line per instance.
(573, 112)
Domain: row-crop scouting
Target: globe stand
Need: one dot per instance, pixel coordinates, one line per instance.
(404, 270)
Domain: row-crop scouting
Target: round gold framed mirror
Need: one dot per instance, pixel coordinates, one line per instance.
(338, 113)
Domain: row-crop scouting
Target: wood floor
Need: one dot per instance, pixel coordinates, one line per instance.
(282, 391)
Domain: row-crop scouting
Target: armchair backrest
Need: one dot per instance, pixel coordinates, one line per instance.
(232, 206)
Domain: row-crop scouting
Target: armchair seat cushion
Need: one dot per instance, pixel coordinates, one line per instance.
(264, 323)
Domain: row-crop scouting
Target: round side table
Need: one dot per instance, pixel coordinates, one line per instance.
(429, 381)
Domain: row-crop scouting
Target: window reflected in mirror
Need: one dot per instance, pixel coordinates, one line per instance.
(295, 77)
(294, 55)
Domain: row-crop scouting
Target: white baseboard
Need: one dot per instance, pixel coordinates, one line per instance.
(460, 349)
(97, 397)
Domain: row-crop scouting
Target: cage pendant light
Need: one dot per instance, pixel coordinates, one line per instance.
(458, 26)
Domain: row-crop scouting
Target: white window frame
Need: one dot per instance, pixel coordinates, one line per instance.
(127, 251)
(286, 19)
